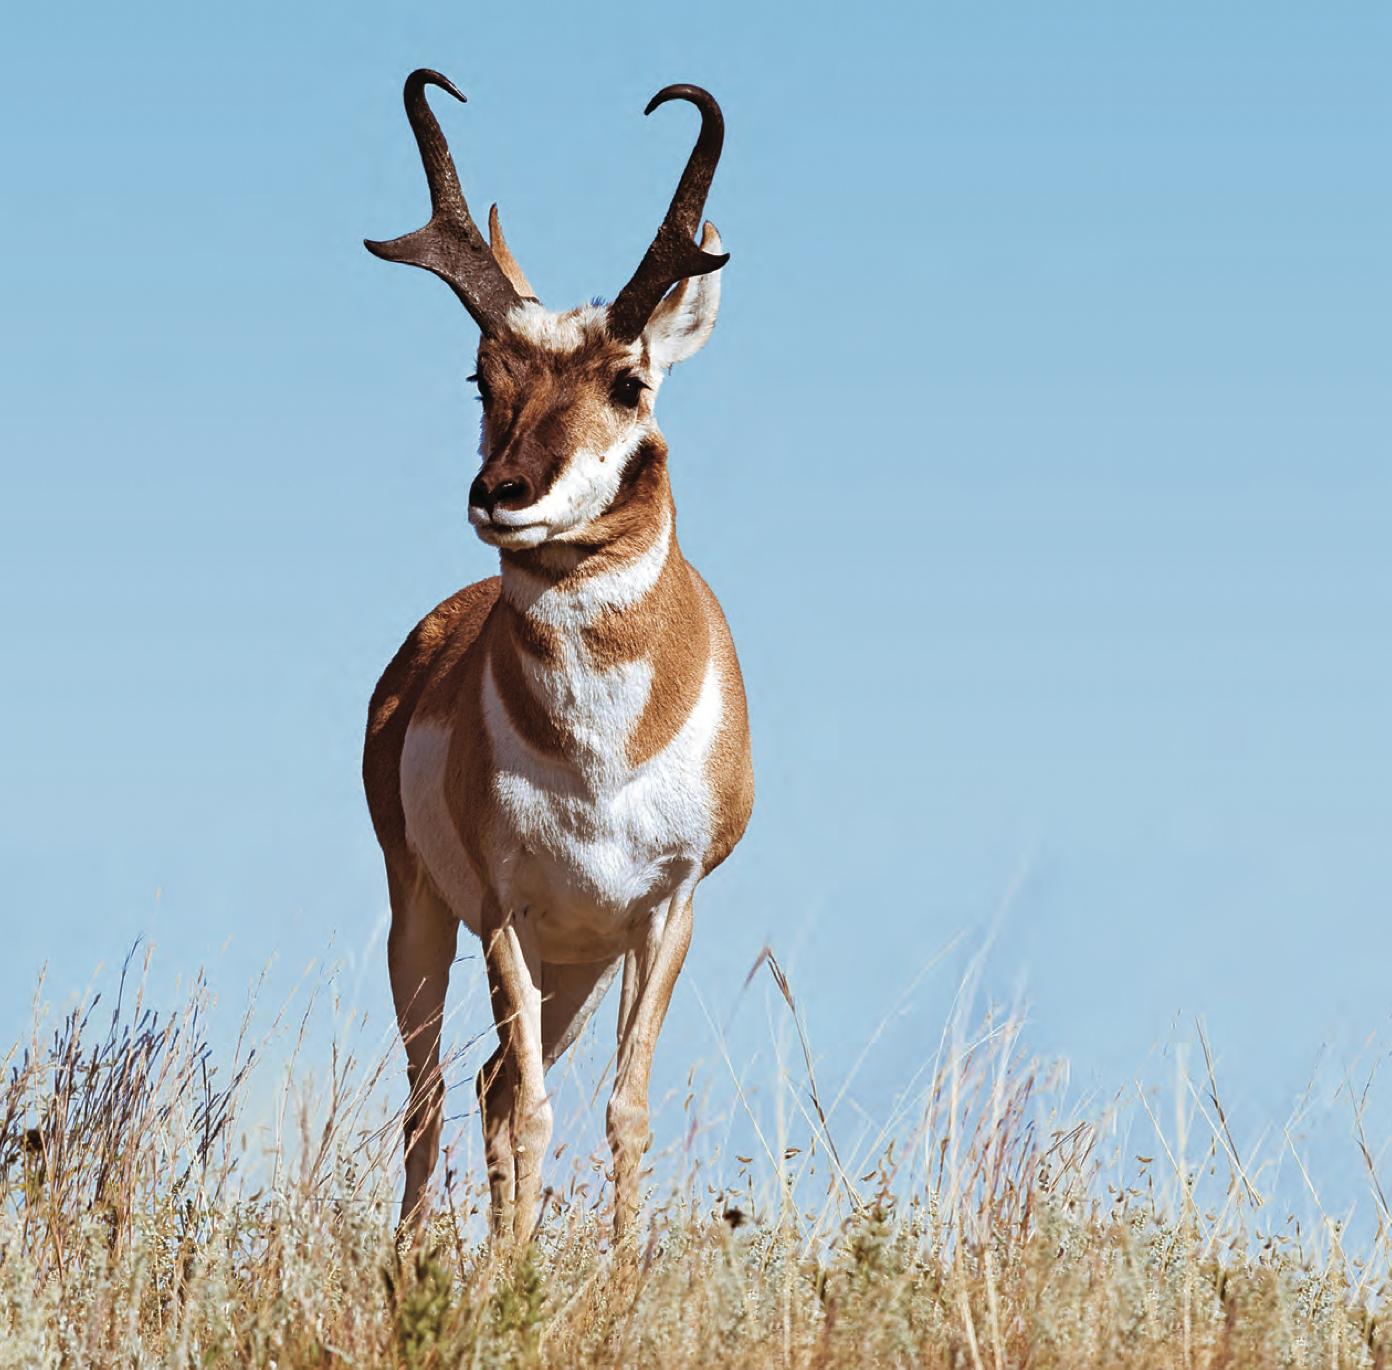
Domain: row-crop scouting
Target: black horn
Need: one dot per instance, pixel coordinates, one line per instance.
(450, 245)
(674, 255)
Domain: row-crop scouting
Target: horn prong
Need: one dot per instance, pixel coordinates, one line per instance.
(512, 268)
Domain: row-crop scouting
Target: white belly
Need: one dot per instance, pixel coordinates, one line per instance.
(590, 850)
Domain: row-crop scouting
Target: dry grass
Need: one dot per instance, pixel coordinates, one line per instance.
(140, 1225)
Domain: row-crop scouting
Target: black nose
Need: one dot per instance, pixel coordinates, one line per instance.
(511, 491)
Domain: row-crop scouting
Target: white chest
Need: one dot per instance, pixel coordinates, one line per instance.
(588, 843)
(591, 844)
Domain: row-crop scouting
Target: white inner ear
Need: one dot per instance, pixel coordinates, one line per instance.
(683, 321)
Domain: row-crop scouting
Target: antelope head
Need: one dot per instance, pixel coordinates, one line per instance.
(569, 432)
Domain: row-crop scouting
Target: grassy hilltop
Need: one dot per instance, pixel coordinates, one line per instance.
(140, 1225)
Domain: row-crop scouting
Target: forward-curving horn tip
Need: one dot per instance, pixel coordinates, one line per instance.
(697, 95)
(449, 245)
(673, 256)
(426, 76)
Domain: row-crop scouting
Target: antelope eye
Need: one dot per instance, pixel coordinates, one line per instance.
(484, 393)
(628, 390)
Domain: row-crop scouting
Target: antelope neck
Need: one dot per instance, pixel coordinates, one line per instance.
(599, 662)
(556, 588)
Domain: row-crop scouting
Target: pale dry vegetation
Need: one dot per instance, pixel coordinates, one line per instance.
(143, 1223)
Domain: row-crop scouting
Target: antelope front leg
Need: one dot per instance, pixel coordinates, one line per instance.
(420, 950)
(650, 974)
(514, 977)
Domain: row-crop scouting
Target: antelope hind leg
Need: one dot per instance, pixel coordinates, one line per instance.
(569, 996)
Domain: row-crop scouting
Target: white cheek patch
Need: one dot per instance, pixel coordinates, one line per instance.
(581, 493)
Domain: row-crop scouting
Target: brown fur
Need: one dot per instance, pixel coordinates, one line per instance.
(438, 671)
(543, 406)
(730, 766)
(454, 623)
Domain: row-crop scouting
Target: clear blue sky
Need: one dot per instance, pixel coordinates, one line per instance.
(1040, 459)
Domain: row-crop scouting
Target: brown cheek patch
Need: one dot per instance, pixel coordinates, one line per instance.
(591, 420)
(582, 422)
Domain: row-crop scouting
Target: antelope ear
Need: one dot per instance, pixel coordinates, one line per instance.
(502, 254)
(683, 320)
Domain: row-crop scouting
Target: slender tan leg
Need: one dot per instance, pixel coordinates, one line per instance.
(569, 995)
(495, 1091)
(650, 974)
(514, 976)
(420, 951)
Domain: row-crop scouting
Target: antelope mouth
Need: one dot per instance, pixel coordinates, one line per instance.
(508, 535)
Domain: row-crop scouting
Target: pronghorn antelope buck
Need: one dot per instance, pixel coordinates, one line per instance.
(558, 756)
